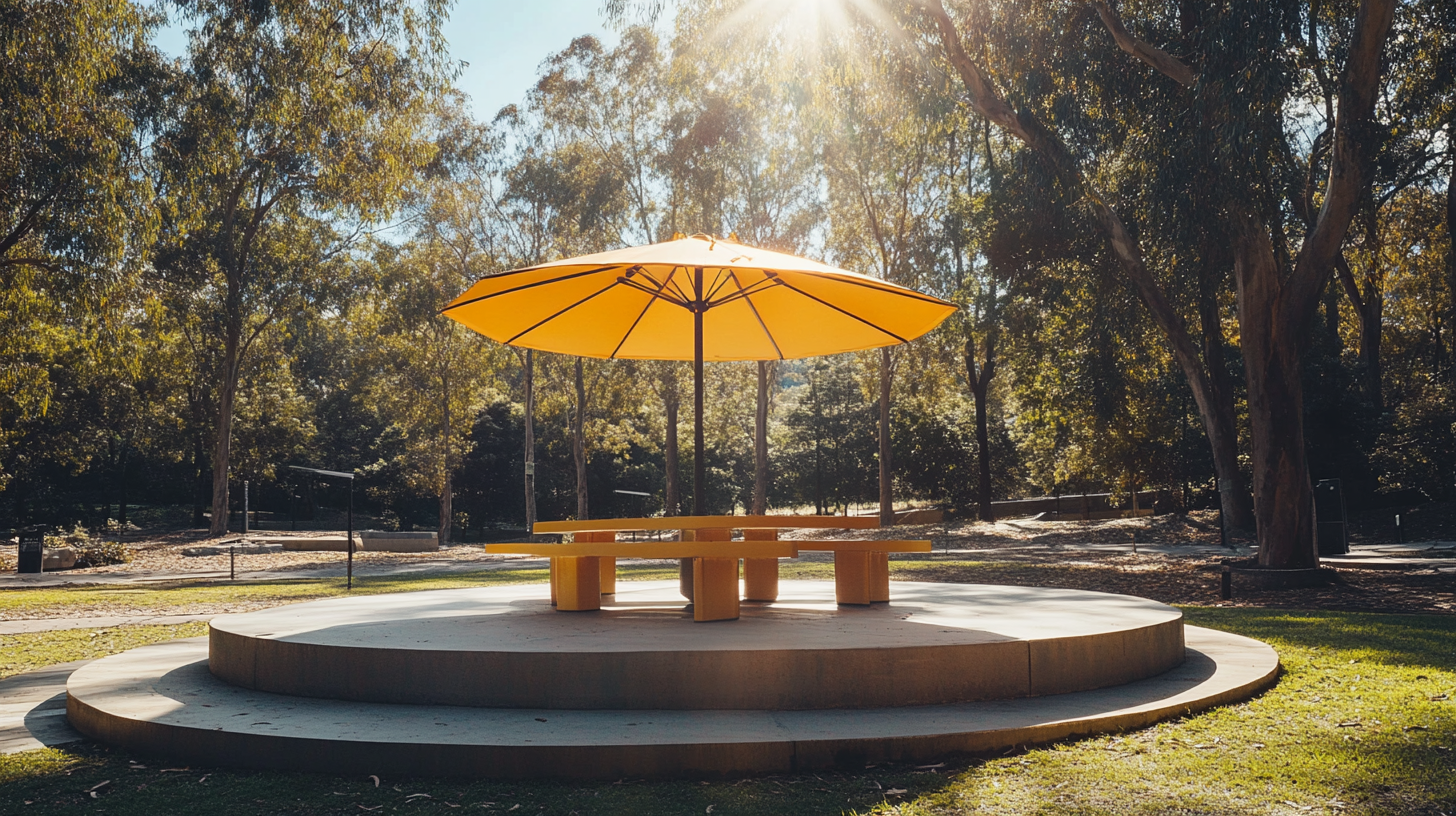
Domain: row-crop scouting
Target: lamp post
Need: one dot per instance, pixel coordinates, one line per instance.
(348, 536)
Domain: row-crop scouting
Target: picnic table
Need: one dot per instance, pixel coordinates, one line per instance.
(585, 569)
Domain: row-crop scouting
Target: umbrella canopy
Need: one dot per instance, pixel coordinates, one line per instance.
(645, 303)
(697, 298)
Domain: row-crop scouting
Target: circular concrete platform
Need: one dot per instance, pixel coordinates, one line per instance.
(162, 700)
(504, 647)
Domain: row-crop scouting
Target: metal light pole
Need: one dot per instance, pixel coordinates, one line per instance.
(349, 536)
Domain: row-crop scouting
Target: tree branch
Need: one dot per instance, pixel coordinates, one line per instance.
(1354, 145)
(1156, 58)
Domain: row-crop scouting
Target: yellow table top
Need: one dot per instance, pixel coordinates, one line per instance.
(710, 523)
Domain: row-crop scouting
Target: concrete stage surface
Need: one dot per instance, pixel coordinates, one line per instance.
(503, 647)
(820, 680)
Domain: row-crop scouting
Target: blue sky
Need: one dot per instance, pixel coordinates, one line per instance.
(503, 41)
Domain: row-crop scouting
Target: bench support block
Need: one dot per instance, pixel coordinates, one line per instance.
(861, 578)
(760, 575)
(715, 581)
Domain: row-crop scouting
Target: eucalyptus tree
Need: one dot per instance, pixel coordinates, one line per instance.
(433, 375)
(293, 122)
(888, 200)
(1229, 74)
(75, 214)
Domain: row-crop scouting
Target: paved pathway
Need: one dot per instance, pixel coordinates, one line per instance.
(12, 580)
(33, 709)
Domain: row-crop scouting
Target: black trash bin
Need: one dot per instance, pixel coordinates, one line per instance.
(32, 550)
(1331, 527)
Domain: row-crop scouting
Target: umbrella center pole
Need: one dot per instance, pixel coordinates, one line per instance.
(685, 570)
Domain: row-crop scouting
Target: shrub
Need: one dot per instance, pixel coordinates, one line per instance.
(94, 553)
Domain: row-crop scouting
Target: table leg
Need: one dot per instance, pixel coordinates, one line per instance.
(879, 577)
(760, 575)
(609, 575)
(579, 583)
(715, 582)
(715, 589)
(608, 564)
(852, 578)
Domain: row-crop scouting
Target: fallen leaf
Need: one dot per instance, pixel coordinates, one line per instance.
(1416, 728)
(1349, 724)
(709, 810)
(901, 791)
(376, 781)
(1438, 697)
(203, 779)
(1256, 745)
(930, 767)
(417, 796)
(513, 807)
(540, 719)
(96, 787)
(174, 770)
(376, 807)
(451, 804)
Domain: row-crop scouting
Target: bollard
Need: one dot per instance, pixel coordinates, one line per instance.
(232, 563)
(1226, 583)
(1399, 531)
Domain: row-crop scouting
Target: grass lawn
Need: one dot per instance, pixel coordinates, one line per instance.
(1363, 722)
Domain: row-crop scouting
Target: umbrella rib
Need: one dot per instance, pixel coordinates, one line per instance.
(680, 293)
(524, 286)
(844, 311)
(761, 324)
(642, 314)
(545, 320)
(718, 286)
(745, 291)
(890, 289)
(656, 293)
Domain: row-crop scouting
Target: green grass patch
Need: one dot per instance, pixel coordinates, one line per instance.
(161, 599)
(31, 651)
(1363, 722)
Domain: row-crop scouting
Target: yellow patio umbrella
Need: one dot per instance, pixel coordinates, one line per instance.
(696, 298)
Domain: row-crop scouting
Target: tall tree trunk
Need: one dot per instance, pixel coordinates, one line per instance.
(671, 402)
(227, 393)
(887, 495)
(121, 499)
(199, 479)
(447, 485)
(1369, 303)
(578, 442)
(1235, 503)
(1283, 497)
(1451, 257)
(760, 443)
(980, 386)
(530, 445)
(1332, 319)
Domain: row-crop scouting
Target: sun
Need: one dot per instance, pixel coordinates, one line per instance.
(802, 29)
